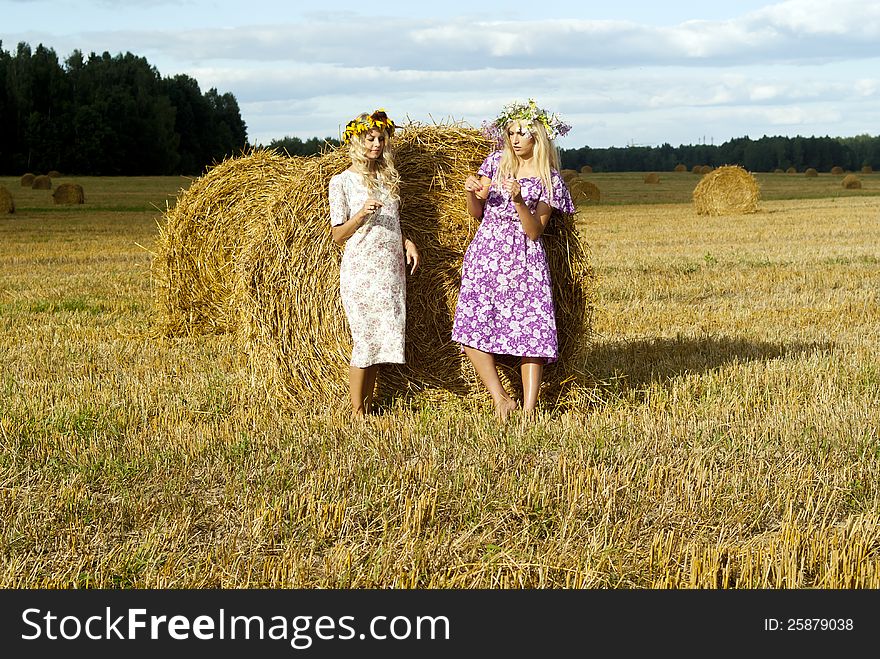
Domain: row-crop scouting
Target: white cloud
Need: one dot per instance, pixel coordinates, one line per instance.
(800, 63)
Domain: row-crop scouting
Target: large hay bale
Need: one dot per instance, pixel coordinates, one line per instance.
(54, 173)
(810, 172)
(727, 190)
(248, 248)
(653, 177)
(69, 193)
(27, 180)
(7, 204)
(851, 182)
(583, 190)
(42, 182)
(837, 170)
(867, 169)
(791, 170)
(586, 169)
(680, 168)
(202, 235)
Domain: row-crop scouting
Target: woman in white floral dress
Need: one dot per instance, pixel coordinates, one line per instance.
(364, 217)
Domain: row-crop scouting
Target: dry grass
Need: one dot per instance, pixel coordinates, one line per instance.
(731, 443)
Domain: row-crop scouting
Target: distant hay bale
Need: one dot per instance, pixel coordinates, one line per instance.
(680, 168)
(69, 193)
(247, 249)
(7, 204)
(791, 170)
(851, 182)
(27, 180)
(586, 169)
(867, 169)
(837, 170)
(696, 169)
(728, 190)
(705, 169)
(568, 174)
(778, 171)
(42, 182)
(811, 172)
(653, 177)
(582, 190)
(53, 173)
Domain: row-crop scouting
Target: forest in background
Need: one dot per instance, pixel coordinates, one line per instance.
(104, 115)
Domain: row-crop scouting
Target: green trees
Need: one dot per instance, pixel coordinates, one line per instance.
(762, 155)
(104, 115)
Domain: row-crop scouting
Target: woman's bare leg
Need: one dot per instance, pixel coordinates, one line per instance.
(370, 386)
(357, 387)
(484, 365)
(532, 371)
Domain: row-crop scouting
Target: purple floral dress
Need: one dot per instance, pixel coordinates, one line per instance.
(505, 305)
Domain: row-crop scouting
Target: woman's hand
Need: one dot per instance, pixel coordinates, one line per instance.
(370, 206)
(412, 254)
(512, 187)
(475, 185)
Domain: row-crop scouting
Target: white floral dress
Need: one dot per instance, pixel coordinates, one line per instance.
(372, 275)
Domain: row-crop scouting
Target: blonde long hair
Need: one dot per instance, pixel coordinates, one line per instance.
(546, 156)
(383, 168)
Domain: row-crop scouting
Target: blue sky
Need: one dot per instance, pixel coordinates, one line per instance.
(622, 72)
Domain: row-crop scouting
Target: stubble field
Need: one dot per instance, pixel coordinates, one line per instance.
(732, 441)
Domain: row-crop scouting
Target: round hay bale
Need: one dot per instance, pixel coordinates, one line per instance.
(42, 182)
(728, 190)
(705, 169)
(27, 180)
(653, 177)
(811, 172)
(851, 182)
(568, 174)
(583, 191)
(867, 169)
(53, 174)
(202, 234)
(791, 170)
(69, 193)
(7, 204)
(247, 248)
(696, 169)
(586, 169)
(680, 168)
(837, 170)
(778, 171)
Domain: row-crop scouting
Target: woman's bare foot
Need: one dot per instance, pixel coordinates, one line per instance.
(504, 407)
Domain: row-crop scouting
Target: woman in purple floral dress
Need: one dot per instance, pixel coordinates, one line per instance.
(505, 305)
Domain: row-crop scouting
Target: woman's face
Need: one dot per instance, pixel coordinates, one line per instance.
(521, 139)
(374, 142)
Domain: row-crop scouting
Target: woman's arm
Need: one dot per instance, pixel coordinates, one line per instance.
(344, 231)
(533, 224)
(476, 192)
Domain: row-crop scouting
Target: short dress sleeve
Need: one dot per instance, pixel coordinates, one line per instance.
(339, 211)
(490, 165)
(561, 196)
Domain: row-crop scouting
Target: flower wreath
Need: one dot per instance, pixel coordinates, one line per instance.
(528, 113)
(377, 120)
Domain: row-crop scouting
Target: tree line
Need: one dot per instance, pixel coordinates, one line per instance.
(116, 115)
(766, 154)
(109, 115)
